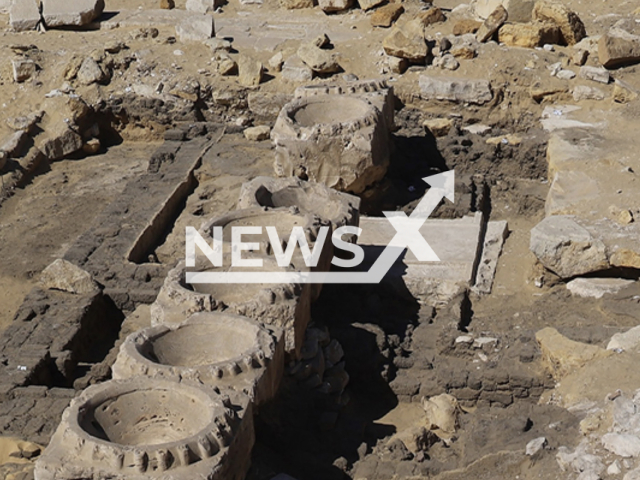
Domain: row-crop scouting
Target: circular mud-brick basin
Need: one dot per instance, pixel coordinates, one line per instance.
(285, 306)
(341, 141)
(284, 220)
(310, 197)
(217, 349)
(145, 428)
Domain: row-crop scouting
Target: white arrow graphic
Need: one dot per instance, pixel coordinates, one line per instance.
(407, 236)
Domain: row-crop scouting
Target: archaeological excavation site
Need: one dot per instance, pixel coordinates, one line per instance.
(319, 239)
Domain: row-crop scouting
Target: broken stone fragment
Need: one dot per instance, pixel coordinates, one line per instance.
(430, 16)
(455, 89)
(397, 65)
(257, 134)
(90, 72)
(167, 4)
(566, 248)
(335, 5)
(622, 94)
(386, 15)
(318, 60)
(528, 35)
(14, 143)
(518, 10)
(224, 64)
(201, 6)
(562, 356)
(24, 15)
(276, 62)
(583, 92)
(67, 277)
(295, 70)
(58, 141)
(597, 287)
(369, 4)
(62, 13)
(196, 28)
(407, 41)
(492, 24)
(26, 122)
(23, 69)
(571, 27)
(296, 4)
(439, 127)
(446, 62)
(442, 414)
(595, 74)
(619, 48)
(218, 44)
(249, 71)
(464, 27)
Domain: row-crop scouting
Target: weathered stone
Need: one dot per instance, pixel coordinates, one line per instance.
(202, 6)
(407, 41)
(296, 4)
(439, 127)
(492, 24)
(386, 15)
(295, 70)
(26, 122)
(369, 4)
(622, 94)
(466, 52)
(196, 28)
(595, 74)
(528, 35)
(442, 413)
(12, 145)
(430, 16)
(597, 287)
(223, 63)
(583, 92)
(619, 48)
(622, 444)
(568, 21)
(59, 141)
(518, 10)
(90, 72)
(318, 60)
(61, 13)
(267, 105)
(456, 90)
(218, 44)
(311, 133)
(335, 5)
(24, 15)
(23, 69)
(65, 276)
(629, 340)
(566, 248)
(249, 71)
(467, 26)
(562, 355)
(257, 134)
(446, 62)
(276, 62)
(167, 4)
(579, 57)
(535, 445)
(397, 65)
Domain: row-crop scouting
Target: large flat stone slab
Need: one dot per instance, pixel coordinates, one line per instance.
(458, 245)
(62, 13)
